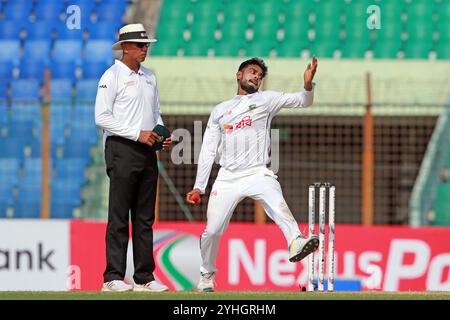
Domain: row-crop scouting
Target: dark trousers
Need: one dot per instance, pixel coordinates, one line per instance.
(133, 173)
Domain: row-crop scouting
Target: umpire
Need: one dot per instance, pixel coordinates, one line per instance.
(127, 109)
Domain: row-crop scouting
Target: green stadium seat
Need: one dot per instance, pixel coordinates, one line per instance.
(299, 10)
(171, 26)
(196, 49)
(207, 8)
(174, 10)
(203, 31)
(265, 31)
(171, 32)
(357, 10)
(420, 39)
(420, 31)
(240, 18)
(417, 50)
(290, 49)
(443, 50)
(206, 11)
(419, 10)
(354, 50)
(323, 49)
(443, 29)
(329, 10)
(237, 11)
(356, 26)
(234, 32)
(391, 11)
(354, 33)
(296, 31)
(386, 50)
(175, 17)
(327, 30)
(269, 7)
(390, 32)
(165, 48)
(227, 49)
(270, 20)
(258, 49)
(444, 7)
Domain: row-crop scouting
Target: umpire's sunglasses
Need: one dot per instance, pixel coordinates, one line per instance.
(141, 45)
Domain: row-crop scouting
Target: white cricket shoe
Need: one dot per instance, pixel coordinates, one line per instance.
(152, 286)
(116, 286)
(301, 247)
(206, 283)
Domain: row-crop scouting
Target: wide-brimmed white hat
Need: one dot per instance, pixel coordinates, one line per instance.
(132, 33)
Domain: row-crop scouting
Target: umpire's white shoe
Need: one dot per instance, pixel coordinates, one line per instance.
(300, 247)
(116, 286)
(206, 283)
(152, 286)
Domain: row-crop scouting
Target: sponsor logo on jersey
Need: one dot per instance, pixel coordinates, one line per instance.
(228, 128)
(245, 122)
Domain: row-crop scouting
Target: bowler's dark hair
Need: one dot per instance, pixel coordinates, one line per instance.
(256, 61)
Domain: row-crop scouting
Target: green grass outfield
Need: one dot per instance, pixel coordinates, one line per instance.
(226, 295)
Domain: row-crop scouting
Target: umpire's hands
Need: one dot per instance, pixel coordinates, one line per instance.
(167, 143)
(148, 137)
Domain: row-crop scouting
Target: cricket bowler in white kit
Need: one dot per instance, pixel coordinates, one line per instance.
(238, 133)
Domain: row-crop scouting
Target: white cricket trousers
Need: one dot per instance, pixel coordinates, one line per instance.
(228, 190)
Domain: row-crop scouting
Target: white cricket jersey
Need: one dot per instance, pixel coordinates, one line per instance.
(238, 131)
(127, 102)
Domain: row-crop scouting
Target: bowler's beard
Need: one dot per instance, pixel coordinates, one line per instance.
(247, 88)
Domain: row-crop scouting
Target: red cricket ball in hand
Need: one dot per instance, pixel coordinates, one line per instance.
(195, 197)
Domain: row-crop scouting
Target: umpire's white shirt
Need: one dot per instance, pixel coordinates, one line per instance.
(127, 102)
(238, 132)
